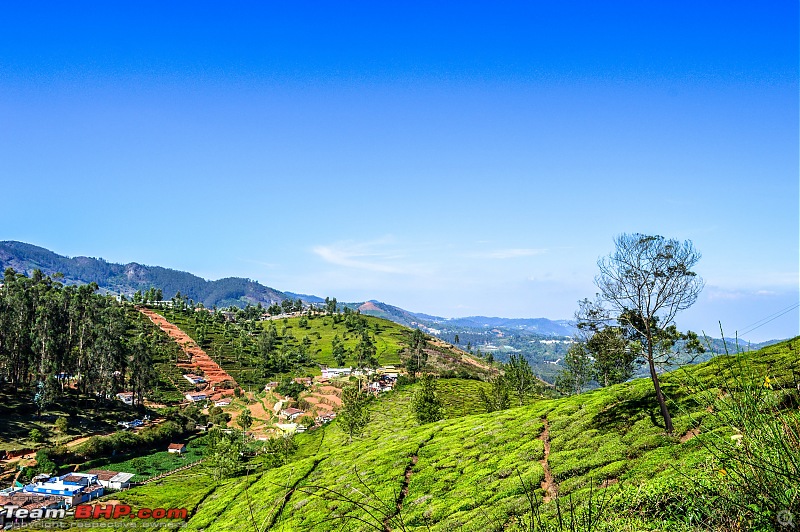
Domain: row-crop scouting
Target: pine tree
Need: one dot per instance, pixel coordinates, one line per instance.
(427, 404)
(354, 414)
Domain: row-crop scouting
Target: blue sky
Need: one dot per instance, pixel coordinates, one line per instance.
(461, 160)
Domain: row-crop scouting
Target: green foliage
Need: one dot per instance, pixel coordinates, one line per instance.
(614, 358)
(150, 437)
(222, 454)
(461, 473)
(418, 357)
(520, 378)
(244, 420)
(755, 439)
(354, 414)
(498, 397)
(151, 463)
(578, 370)
(338, 350)
(256, 352)
(62, 425)
(36, 436)
(290, 388)
(218, 417)
(427, 404)
(643, 284)
(45, 463)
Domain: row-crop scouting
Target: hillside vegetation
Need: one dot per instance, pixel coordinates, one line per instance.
(255, 352)
(476, 471)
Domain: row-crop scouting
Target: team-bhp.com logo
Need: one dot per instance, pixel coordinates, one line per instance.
(117, 511)
(97, 511)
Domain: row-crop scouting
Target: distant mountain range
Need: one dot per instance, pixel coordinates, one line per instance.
(525, 326)
(128, 278)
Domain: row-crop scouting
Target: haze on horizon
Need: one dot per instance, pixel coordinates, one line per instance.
(453, 162)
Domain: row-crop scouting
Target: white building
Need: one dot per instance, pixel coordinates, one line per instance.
(126, 397)
(330, 373)
(196, 396)
(112, 479)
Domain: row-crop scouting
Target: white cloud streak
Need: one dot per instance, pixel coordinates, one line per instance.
(368, 256)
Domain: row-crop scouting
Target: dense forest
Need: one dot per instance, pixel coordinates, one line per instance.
(57, 339)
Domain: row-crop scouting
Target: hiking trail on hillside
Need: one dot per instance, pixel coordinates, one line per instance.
(549, 485)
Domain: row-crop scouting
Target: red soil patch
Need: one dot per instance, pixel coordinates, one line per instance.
(549, 485)
(689, 435)
(369, 306)
(333, 400)
(213, 374)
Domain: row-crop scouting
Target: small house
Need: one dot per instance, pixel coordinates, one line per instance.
(291, 413)
(178, 448)
(196, 396)
(112, 479)
(332, 373)
(194, 379)
(126, 397)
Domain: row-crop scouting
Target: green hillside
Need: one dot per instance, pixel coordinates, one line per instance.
(235, 345)
(484, 471)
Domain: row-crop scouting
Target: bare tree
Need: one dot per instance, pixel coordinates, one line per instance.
(643, 284)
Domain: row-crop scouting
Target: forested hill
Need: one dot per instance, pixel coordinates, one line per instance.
(127, 278)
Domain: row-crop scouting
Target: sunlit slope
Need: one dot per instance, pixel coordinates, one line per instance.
(235, 347)
(469, 472)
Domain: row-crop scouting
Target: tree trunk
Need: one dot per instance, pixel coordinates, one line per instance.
(659, 396)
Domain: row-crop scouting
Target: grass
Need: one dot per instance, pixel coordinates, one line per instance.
(152, 464)
(467, 471)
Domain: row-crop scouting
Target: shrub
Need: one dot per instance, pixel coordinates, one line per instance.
(755, 444)
(36, 436)
(62, 425)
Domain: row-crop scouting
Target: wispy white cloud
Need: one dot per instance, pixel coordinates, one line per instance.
(374, 256)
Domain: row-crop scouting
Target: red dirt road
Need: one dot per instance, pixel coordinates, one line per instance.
(214, 374)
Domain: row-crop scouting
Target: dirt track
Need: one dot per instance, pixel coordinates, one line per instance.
(213, 374)
(549, 485)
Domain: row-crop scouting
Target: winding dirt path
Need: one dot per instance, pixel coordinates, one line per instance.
(390, 519)
(549, 485)
(213, 374)
(277, 515)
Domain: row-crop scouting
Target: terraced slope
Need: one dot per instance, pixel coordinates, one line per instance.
(484, 471)
(198, 358)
